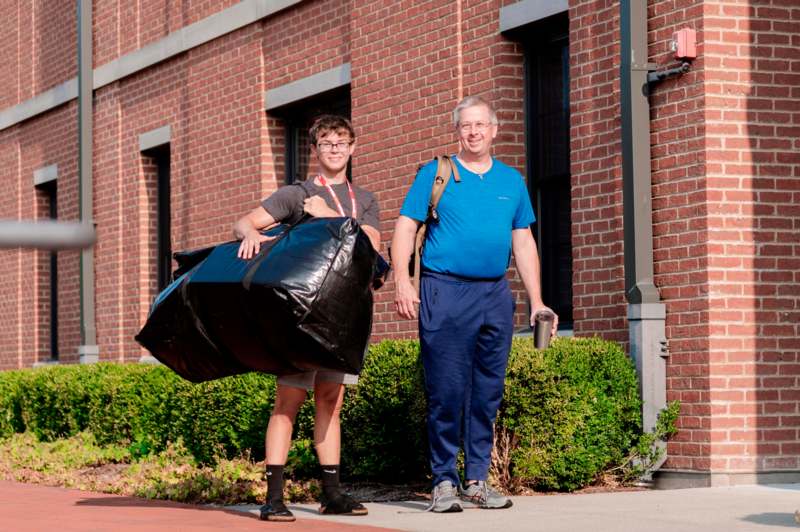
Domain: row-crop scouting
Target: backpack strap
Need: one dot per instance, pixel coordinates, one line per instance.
(445, 168)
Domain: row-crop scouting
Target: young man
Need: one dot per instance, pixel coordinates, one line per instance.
(328, 194)
(466, 308)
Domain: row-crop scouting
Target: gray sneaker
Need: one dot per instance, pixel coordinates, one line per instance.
(482, 496)
(444, 498)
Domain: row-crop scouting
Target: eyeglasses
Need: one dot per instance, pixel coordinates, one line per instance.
(466, 127)
(328, 146)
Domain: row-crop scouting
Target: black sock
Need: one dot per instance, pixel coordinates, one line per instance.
(274, 483)
(330, 480)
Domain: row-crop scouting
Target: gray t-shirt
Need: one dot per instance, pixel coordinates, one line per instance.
(286, 203)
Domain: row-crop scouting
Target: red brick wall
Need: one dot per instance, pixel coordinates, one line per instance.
(38, 48)
(679, 202)
(405, 81)
(226, 155)
(44, 140)
(123, 27)
(680, 233)
(10, 56)
(753, 135)
(308, 39)
(211, 99)
(10, 260)
(54, 43)
(180, 92)
(597, 252)
(724, 141)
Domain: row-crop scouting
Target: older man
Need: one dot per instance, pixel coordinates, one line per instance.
(466, 308)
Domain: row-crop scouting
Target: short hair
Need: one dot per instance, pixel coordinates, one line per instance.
(325, 124)
(473, 101)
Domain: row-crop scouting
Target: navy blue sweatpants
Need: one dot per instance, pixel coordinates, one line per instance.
(465, 329)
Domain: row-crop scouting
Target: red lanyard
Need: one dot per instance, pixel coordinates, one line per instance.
(324, 183)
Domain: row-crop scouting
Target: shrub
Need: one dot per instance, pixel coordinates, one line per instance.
(569, 413)
(144, 406)
(53, 401)
(10, 412)
(383, 418)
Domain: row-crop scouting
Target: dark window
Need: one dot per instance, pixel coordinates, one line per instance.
(298, 118)
(48, 192)
(158, 159)
(547, 102)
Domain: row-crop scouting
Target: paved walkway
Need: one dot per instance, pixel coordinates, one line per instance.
(34, 508)
(740, 508)
(27, 507)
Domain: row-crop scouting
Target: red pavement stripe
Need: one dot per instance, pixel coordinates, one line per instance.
(35, 508)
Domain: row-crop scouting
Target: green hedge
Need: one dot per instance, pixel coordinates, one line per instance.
(569, 413)
(145, 406)
(572, 411)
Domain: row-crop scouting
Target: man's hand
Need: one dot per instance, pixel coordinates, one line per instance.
(539, 307)
(251, 244)
(405, 299)
(316, 207)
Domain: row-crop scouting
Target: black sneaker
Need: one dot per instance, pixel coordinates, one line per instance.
(276, 511)
(341, 504)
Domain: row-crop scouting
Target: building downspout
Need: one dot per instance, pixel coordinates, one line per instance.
(646, 312)
(88, 351)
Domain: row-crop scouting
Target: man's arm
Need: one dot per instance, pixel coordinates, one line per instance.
(247, 229)
(526, 258)
(371, 221)
(405, 299)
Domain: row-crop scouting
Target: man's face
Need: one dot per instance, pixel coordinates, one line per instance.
(476, 131)
(333, 150)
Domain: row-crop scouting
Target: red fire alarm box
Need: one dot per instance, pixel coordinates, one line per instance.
(685, 44)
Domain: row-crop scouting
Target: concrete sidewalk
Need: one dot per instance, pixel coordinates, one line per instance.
(745, 508)
(29, 507)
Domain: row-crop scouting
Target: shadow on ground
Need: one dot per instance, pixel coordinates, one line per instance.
(133, 502)
(772, 519)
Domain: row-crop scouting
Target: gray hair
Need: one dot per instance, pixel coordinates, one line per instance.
(473, 101)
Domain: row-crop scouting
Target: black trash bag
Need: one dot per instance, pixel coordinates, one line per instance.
(178, 340)
(189, 259)
(381, 274)
(303, 303)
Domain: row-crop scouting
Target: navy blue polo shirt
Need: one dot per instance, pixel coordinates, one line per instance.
(476, 216)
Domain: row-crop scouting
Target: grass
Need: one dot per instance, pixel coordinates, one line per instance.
(78, 462)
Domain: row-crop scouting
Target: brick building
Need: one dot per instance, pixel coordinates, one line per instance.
(200, 109)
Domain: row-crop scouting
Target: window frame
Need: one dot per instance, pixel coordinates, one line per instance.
(538, 38)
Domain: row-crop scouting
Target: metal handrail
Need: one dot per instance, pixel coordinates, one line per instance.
(46, 234)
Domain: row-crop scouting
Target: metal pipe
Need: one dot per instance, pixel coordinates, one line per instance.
(646, 312)
(637, 199)
(45, 235)
(661, 75)
(88, 350)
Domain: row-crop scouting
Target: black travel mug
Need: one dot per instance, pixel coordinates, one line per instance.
(542, 329)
